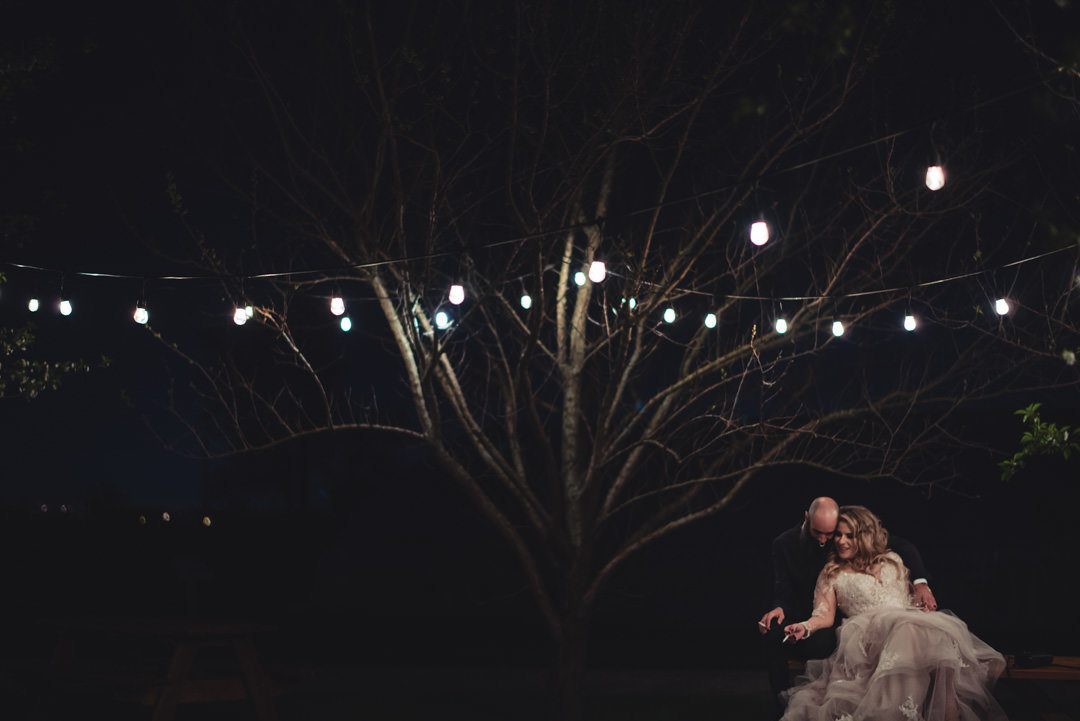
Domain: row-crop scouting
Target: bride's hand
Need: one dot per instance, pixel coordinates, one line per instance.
(796, 631)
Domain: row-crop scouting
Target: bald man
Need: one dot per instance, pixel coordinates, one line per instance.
(798, 555)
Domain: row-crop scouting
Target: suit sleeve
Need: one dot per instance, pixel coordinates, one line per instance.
(783, 584)
(911, 557)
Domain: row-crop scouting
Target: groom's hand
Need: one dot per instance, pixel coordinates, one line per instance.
(923, 598)
(777, 614)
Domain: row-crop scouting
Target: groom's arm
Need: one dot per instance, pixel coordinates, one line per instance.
(783, 584)
(911, 557)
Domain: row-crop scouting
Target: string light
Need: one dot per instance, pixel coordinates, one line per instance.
(141, 315)
(240, 316)
(33, 305)
(1001, 306)
(710, 320)
(346, 324)
(337, 305)
(65, 307)
(206, 521)
(759, 232)
(597, 271)
(837, 328)
(442, 320)
(579, 278)
(781, 326)
(457, 294)
(669, 315)
(249, 311)
(909, 322)
(935, 177)
(166, 517)
(526, 301)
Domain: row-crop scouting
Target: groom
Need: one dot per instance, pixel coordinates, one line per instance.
(798, 555)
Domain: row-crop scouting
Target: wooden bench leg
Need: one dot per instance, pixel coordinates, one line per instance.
(258, 684)
(179, 670)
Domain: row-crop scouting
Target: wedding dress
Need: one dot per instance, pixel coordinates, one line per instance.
(892, 660)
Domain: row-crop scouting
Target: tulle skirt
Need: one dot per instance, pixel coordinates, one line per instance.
(903, 664)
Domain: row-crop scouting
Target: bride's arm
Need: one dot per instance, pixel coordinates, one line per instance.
(824, 614)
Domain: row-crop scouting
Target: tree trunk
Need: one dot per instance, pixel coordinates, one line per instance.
(568, 669)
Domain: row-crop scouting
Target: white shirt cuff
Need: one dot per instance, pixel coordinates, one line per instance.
(917, 581)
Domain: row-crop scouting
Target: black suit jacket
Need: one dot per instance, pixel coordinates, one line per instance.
(798, 559)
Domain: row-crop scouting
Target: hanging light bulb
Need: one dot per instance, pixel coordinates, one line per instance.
(457, 294)
(65, 307)
(206, 521)
(33, 305)
(240, 316)
(1001, 306)
(141, 314)
(346, 324)
(909, 322)
(442, 320)
(166, 517)
(780, 326)
(935, 177)
(249, 311)
(837, 328)
(632, 303)
(579, 278)
(337, 305)
(526, 301)
(710, 320)
(597, 271)
(759, 233)
(669, 315)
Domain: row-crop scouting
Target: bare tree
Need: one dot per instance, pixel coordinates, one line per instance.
(393, 153)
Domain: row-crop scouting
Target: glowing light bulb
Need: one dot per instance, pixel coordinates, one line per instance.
(166, 517)
(935, 177)
(240, 316)
(65, 307)
(780, 326)
(669, 315)
(249, 311)
(837, 328)
(457, 294)
(1001, 306)
(632, 303)
(526, 301)
(759, 233)
(206, 521)
(346, 324)
(337, 305)
(33, 305)
(141, 315)
(579, 278)
(442, 320)
(710, 320)
(142, 520)
(597, 271)
(909, 322)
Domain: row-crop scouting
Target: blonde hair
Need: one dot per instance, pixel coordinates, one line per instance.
(870, 538)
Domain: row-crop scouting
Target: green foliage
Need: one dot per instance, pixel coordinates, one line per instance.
(1040, 439)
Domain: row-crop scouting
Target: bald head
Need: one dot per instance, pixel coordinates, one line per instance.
(821, 518)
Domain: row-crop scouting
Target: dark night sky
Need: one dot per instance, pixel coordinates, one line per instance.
(110, 129)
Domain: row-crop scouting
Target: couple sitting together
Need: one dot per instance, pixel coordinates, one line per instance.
(891, 655)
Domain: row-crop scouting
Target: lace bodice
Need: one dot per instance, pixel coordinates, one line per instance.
(855, 593)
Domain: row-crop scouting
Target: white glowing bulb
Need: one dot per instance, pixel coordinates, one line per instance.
(240, 316)
(249, 311)
(597, 271)
(457, 294)
(33, 305)
(346, 324)
(837, 328)
(781, 326)
(141, 315)
(65, 307)
(579, 278)
(710, 320)
(909, 322)
(669, 315)
(166, 517)
(526, 301)
(935, 177)
(442, 320)
(759, 233)
(632, 303)
(337, 305)
(1001, 306)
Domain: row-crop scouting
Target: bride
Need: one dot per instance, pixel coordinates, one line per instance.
(892, 660)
